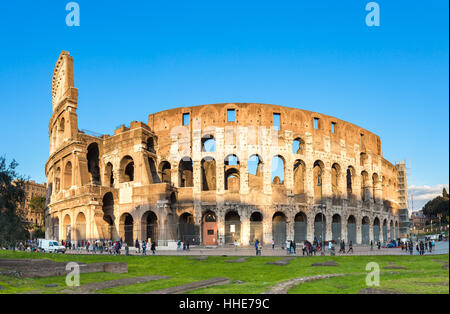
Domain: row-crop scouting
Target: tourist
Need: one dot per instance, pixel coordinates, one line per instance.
(127, 250)
(153, 248)
(259, 248)
(144, 247)
(422, 248)
(187, 245)
(288, 247)
(430, 246)
(350, 247)
(235, 244)
(342, 249)
(411, 248)
(179, 245)
(371, 245)
(294, 247)
(273, 245)
(137, 246)
(256, 246)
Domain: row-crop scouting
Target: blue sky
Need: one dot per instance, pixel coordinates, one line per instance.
(139, 57)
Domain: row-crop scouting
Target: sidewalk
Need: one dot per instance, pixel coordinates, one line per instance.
(440, 248)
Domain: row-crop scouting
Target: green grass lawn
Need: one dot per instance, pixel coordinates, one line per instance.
(423, 275)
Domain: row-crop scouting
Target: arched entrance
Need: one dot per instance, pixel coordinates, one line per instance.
(376, 230)
(150, 226)
(209, 226)
(126, 229)
(300, 227)
(385, 231)
(186, 229)
(320, 223)
(232, 227)
(67, 228)
(336, 228)
(279, 228)
(80, 227)
(107, 227)
(365, 230)
(351, 229)
(256, 227)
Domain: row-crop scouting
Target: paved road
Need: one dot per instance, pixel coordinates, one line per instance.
(440, 248)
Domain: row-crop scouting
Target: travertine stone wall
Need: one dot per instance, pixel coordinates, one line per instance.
(129, 172)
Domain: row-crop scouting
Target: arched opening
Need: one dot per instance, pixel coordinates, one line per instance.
(335, 173)
(232, 227)
(299, 177)
(150, 226)
(232, 180)
(58, 180)
(208, 165)
(365, 230)
(362, 159)
(278, 170)
(186, 229)
(93, 163)
(80, 227)
(127, 167)
(300, 227)
(68, 176)
(67, 228)
(126, 228)
(376, 230)
(351, 229)
(208, 143)
(209, 227)
(385, 233)
(165, 170)
(375, 182)
(186, 172)
(336, 228)
(255, 177)
(256, 227)
(151, 145)
(320, 223)
(365, 193)
(298, 146)
(317, 180)
(279, 228)
(109, 174)
(108, 217)
(350, 175)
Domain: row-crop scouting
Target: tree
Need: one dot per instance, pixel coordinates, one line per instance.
(438, 205)
(37, 204)
(12, 226)
(444, 193)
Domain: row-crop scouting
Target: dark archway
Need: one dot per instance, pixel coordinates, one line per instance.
(93, 163)
(279, 228)
(232, 227)
(187, 230)
(300, 227)
(336, 228)
(351, 229)
(320, 223)
(126, 226)
(376, 230)
(365, 230)
(150, 225)
(256, 227)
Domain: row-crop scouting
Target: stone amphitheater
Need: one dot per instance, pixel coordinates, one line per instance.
(215, 174)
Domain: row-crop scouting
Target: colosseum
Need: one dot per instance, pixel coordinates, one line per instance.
(214, 174)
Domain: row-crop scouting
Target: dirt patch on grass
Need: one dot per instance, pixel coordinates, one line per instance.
(283, 287)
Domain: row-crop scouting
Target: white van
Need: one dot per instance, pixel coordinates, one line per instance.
(50, 246)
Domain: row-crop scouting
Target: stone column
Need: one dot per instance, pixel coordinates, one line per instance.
(245, 230)
(197, 173)
(267, 230)
(220, 228)
(358, 229)
(310, 227)
(344, 234)
(328, 230)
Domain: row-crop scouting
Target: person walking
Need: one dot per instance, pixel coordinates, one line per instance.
(256, 247)
(294, 247)
(371, 245)
(273, 245)
(259, 248)
(144, 247)
(350, 247)
(288, 247)
(179, 245)
(153, 248)
(137, 246)
(342, 248)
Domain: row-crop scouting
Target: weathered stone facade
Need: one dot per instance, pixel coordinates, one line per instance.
(205, 174)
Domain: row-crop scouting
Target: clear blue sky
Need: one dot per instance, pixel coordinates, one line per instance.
(133, 58)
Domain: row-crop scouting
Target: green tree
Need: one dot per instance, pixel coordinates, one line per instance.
(12, 226)
(438, 205)
(444, 193)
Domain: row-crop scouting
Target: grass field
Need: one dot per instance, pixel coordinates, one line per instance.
(423, 274)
